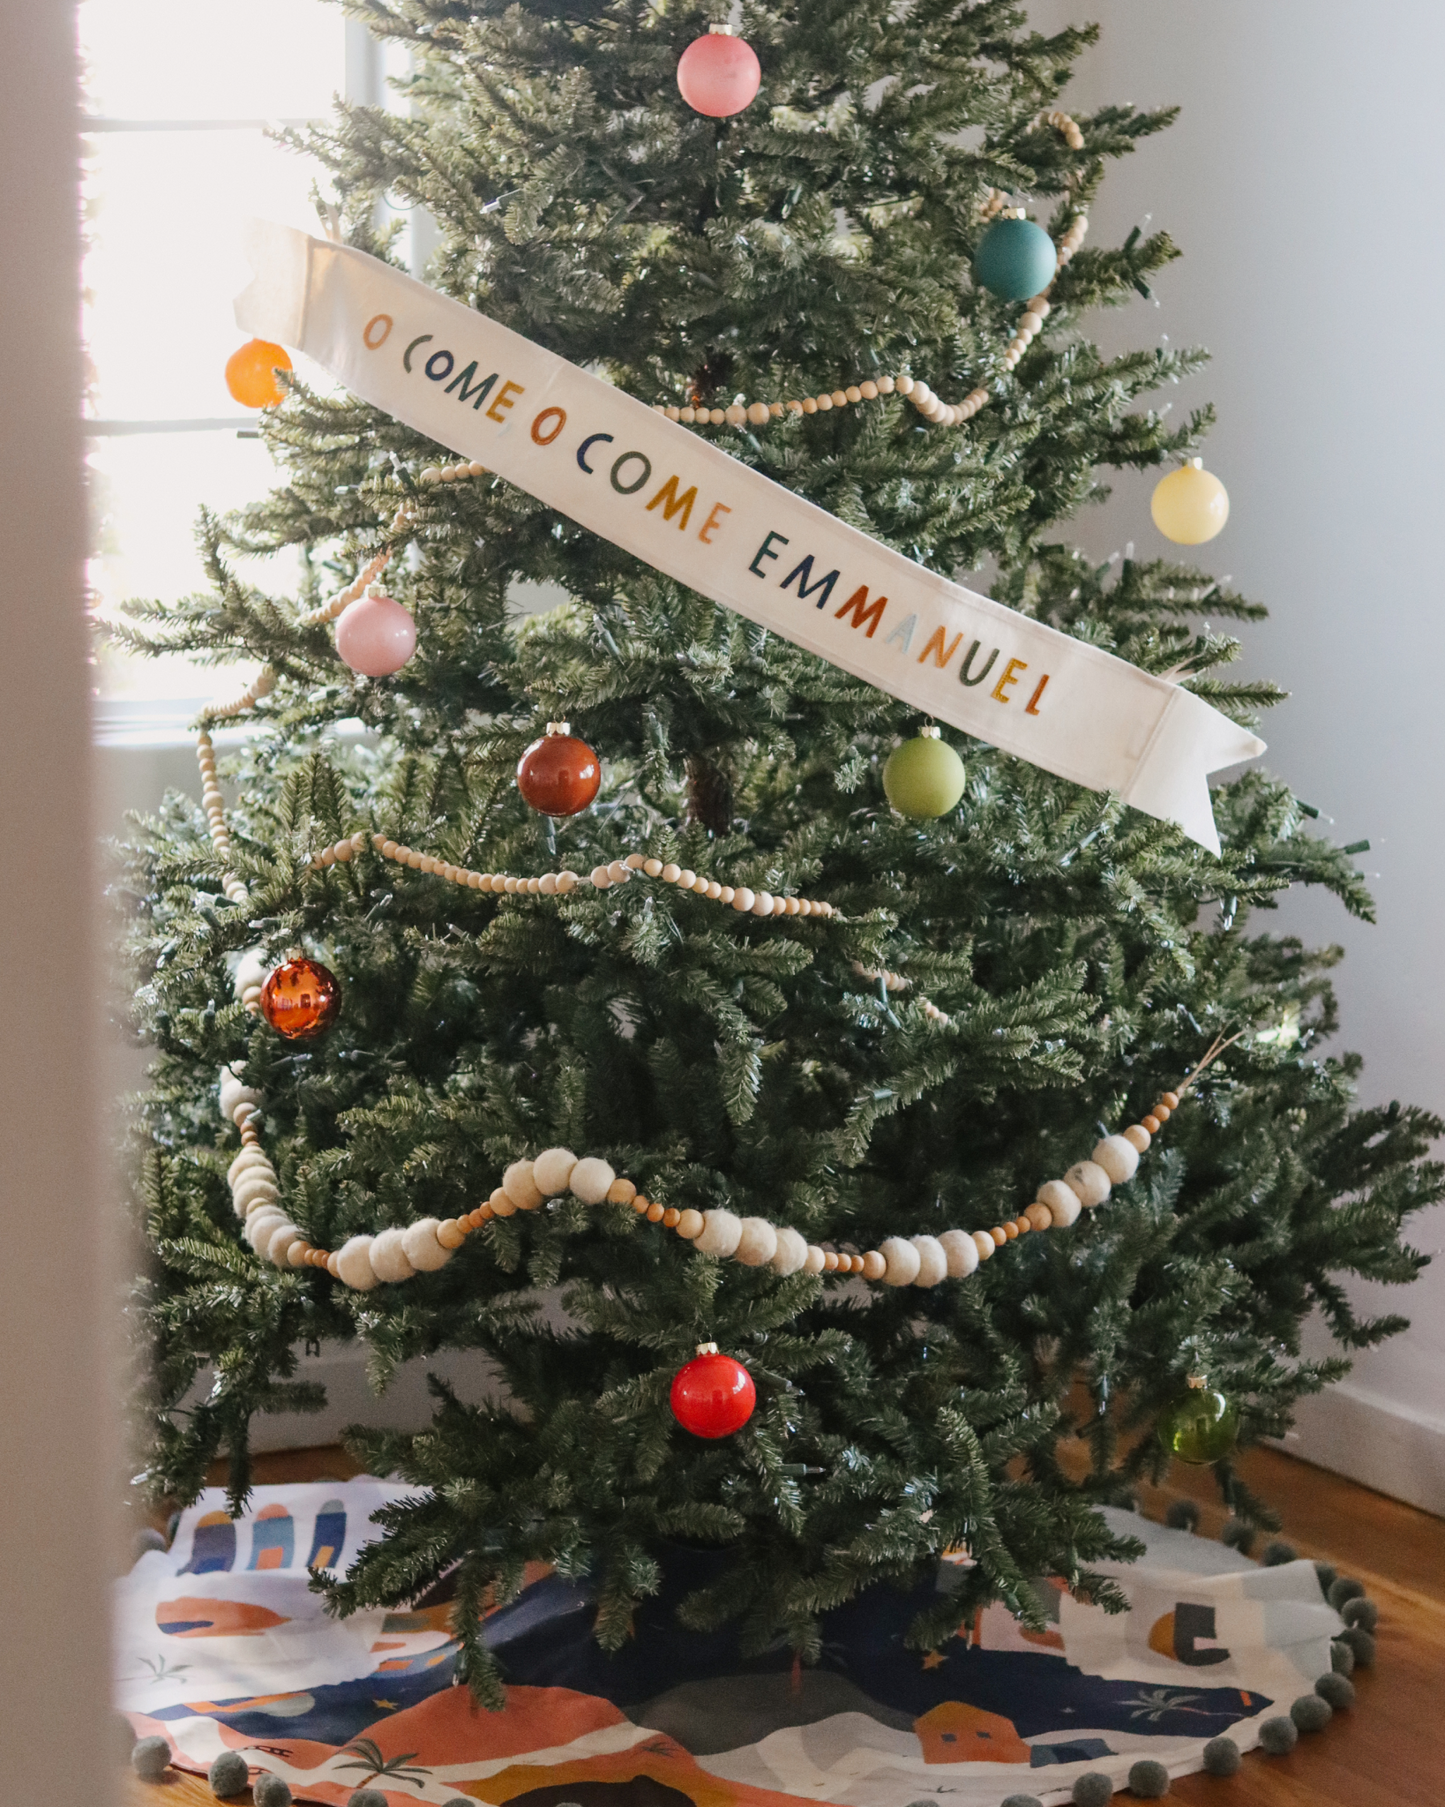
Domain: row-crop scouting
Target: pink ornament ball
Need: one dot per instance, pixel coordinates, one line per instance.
(719, 75)
(375, 636)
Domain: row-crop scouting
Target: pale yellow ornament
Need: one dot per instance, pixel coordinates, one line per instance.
(1190, 505)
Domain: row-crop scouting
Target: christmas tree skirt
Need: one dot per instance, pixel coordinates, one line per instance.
(223, 1645)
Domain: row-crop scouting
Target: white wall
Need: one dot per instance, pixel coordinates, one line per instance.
(1300, 182)
(55, 1526)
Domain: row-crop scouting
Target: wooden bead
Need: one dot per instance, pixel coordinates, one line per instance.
(652, 867)
(670, 1217)
(655, 1212)
(874, 1264)
(852, 393)
(689, 1225)
(824, 404)
(1153, 1125)
(502, 1205)
(1162, 1112)
(1010, 1230)
(621, 1192)
(868, 391)
(1039, 1216)
(450, 1233)
(743, 899)
(1170, 1100)
(830, 1262)
(1138, 1137)
(641, 1205)
(759, 414)
(999, 1237)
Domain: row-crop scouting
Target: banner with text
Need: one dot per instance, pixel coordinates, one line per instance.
(688, 509)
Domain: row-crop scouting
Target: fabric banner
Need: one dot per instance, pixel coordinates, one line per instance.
(685, 507)
(220, 1645)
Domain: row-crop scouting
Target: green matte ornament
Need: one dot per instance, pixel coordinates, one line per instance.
(1016, 260)
(1201, 1426)
(924, 777)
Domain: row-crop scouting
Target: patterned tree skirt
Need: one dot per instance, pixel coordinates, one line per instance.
(222, 1645)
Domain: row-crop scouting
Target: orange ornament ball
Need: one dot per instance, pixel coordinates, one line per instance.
(559, 775)
(251, 373)
(301, 999)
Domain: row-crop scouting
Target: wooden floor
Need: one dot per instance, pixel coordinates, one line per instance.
(1388, 1752)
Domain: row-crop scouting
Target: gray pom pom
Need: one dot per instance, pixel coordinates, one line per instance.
(1311, 1713)
(1238, 1535)
(1326, 1572)
(1221, 1757)
(1278, 1736)
(1277, 1552)
(145, 1540)
(367, 1797)
(1148, 1779)
(1361, 1612)
(1343, 1588)
(1009, 1800)
(1342, 1658)
(1358, 1640)
(151, 1758)
(1183, 1515)
(1338, 1690)
(271, 1791)
(1093, 1790)
(228, 1774)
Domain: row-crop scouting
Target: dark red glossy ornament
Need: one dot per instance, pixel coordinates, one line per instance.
(559, 775)
(713, 1396)
(301, 999)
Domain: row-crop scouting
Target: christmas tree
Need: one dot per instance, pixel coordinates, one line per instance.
(983, 994)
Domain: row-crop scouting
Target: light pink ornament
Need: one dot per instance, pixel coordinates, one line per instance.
(719, 74)
(375, 636)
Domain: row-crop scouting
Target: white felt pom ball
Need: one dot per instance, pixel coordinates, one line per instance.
(791, 1254)
(251, 972)
(932, 1261)
(1061, 1202)
(552, 1169)
(757, 1243)
(1090, 1181)
(388, 1257)
(520, 1187)
(278, 1244)
(353, 1264)
(721, 1233)
(902, 1261)
(590, 1180)
(960, 1251)
(423, 1251)
(235, 1092)
(1118, 1158)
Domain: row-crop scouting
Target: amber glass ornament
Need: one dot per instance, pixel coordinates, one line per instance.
(301, 999)
(251, 373)
(1200, 1426)
(559, 775)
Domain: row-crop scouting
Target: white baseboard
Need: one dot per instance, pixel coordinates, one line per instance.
(1374, 1440)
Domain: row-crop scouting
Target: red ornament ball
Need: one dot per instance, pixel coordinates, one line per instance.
(558, 775)
(301, 999)
(713, 1396)
(719, 75)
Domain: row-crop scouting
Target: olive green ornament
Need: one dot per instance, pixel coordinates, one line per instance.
(924, 777)
(1201, 1425)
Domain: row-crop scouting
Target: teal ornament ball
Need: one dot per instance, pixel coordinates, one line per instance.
(1016, 260)
(1200, 1427)
(924, 777)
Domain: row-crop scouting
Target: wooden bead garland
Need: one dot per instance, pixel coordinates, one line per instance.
(559, 884)
(394, 1255)
(933, 409)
